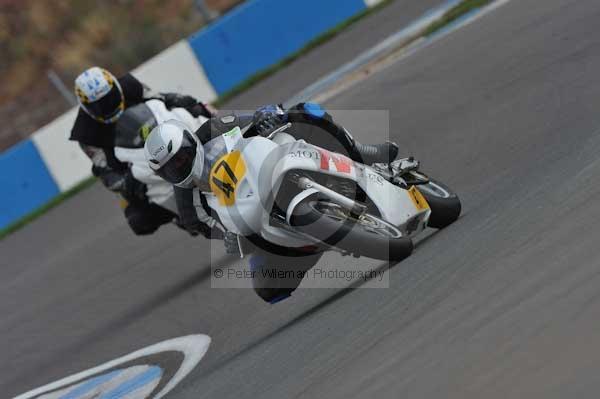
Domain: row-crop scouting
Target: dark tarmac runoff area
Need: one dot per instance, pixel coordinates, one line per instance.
(505, 303)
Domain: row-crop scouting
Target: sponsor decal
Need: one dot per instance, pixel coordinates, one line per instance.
(375, 178)
(233, 132)
(155, 153)
(308, 154)
(327, 159)
(232, 137)
(341, 163)
(151, 372)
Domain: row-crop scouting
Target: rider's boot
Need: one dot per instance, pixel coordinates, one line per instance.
(367, 153)
(376, 153)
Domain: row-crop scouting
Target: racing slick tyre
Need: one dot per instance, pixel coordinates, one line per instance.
(366, 235)
(444, 203)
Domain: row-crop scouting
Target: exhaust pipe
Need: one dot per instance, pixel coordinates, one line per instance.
(354, 207)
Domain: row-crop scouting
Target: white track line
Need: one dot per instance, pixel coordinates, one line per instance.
(193, 347)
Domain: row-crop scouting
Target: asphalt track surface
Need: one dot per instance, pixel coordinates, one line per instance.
(504, 303)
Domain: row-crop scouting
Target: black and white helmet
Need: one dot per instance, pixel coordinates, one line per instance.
(174, 153)
(100, 95)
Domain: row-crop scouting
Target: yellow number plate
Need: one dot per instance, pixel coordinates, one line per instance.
(418, 199)
(225, 174)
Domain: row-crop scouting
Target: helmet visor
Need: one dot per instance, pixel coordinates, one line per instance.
(180, 166)
(108, 106)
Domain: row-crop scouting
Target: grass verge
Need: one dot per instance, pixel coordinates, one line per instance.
(45, 208)
(456, 12)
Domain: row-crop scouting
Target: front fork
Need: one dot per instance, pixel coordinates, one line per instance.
(402, 172)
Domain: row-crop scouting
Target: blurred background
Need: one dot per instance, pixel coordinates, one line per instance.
(45, 44)
(172, 46)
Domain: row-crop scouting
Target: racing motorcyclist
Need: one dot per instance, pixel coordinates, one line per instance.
(102, 99)
(184, 158)
(309, 121)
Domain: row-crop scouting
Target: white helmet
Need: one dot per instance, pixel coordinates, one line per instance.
(100, 95)
(174, 153)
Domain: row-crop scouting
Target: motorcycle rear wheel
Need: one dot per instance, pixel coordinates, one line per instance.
(367, 235)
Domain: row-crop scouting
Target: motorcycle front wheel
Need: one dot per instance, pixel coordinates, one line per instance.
(366, 235)
(444, 203)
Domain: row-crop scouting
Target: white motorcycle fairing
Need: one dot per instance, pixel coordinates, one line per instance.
(258, 167)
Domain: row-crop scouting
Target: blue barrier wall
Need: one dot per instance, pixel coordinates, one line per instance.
(260, 33)
(25, 181)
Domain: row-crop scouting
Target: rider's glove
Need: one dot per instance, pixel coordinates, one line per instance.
(175, 100)
(114, 181)
(133, 190)
(268, 118)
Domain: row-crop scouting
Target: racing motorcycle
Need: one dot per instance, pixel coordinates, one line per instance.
(282, 192)
(132, 128)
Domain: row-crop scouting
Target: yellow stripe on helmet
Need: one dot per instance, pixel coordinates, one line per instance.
(84, 99)
(108, 77)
